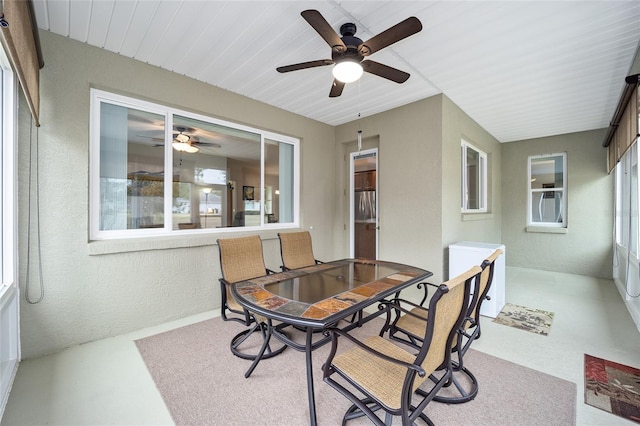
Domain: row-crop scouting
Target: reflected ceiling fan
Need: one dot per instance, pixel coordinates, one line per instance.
(183, 141)
(348, 52)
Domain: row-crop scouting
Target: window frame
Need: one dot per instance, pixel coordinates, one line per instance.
(9, 291)
(100, 96)
(627, 202)
(563, 190)
(482, 185)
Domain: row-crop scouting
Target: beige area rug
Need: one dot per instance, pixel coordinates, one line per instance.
(532, 320)
(202, 383)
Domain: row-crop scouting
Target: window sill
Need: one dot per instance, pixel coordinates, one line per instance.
(547, 230)
(467, 217)
(127, 245)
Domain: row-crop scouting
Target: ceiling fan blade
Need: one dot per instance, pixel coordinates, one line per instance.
(394, 34)
(304, 65)
(385, 71)
(317, 21)
(336, 89)
(212, 144)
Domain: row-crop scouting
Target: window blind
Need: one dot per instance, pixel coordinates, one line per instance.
(623, 130)
(19, 37)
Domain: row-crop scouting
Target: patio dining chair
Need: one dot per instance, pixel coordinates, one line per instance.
(242, 259)
(389, 375)
(409, 325)
(296, 250)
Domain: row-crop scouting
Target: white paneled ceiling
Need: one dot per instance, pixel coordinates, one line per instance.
(522, 69)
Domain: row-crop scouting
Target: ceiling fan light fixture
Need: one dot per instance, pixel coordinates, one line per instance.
(185, 147)
(347, 71)
(181, 137)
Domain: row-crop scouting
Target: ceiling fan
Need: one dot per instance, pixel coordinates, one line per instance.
(348, 52)
(185, 141)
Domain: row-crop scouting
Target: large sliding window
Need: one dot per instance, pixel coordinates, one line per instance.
(9, 300)
(157, 170)
(627, 201)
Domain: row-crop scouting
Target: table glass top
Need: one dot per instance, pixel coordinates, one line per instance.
(312, 288)
(320, 291)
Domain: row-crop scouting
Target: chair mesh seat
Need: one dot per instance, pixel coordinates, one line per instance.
(383, 379)
(413, 325)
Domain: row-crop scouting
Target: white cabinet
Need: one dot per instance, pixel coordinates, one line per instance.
(464, 255)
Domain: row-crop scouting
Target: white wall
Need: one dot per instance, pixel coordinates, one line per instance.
(99, 289)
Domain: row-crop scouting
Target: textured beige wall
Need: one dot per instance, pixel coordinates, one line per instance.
(409, 179)
(456, 227)
(89, 297)
(586, 248)
(419, 182)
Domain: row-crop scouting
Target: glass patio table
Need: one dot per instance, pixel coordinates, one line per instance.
(319, 296)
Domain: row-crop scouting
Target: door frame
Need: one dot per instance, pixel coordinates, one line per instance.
(352, 157)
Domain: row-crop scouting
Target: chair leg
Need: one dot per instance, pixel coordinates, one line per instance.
(426, 419)
(466, 393)
(366, 408)
(265, 344)
(265, 353)
(239, 339)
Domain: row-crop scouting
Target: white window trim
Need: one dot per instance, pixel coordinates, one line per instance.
(483, 179)
(623, 171)
(9, 291)
(98, 96)
(531, 226)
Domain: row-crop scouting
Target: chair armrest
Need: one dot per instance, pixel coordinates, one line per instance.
(426, 291)
(398, 301)
(393, 304)
(335, 332)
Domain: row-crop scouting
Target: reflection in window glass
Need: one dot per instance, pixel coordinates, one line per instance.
(279, 182)
(474, 179)
(627, 200)
(131, 171)
(547, 201)
(206, 157)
